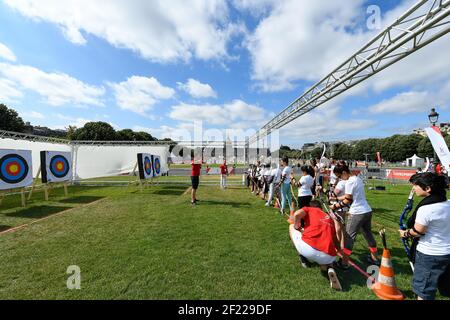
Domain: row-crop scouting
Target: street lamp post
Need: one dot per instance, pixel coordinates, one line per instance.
(434, 118)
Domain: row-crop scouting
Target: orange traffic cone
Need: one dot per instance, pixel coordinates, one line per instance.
(385, 287)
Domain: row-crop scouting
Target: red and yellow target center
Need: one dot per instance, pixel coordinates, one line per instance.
(60, 166)
(13, 168)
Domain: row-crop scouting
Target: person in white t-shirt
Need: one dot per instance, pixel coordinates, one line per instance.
(432, 228)
(285, 185)
(359, 217)
(305, 185)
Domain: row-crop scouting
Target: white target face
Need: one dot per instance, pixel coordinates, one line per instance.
(16, 169)
(56, 166)
(145, 166)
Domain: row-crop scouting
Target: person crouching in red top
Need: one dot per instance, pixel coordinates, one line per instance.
(195, 180)
(317, 241)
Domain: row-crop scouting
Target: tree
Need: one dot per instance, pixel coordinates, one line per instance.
(71, 130)
(10, 120)
(425, 148)
(143, 136)
(95, 131)
(317, 152)
(342, 151)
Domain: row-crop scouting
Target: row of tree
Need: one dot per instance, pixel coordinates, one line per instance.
(396, 148)
(92, 131)
(393, 149)
(102, 131)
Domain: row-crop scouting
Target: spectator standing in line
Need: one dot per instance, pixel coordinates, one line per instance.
(195, 180)
(223, 175)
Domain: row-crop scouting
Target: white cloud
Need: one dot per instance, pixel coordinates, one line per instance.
(32, 114)
(323, 125)
(304, 40)
(57, 88)
(140, 94)
(404, 103)
(235, 114)
(181, 132)
(158, 30)
(78, 122)
(6, 53)
(415, 101)
(254, 7)
(197, 89)
(8, 91)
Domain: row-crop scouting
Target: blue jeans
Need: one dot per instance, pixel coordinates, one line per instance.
(427, 270)
(286, 195)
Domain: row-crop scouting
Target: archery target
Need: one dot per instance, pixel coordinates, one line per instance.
(156, 166)
(145, 166)
(56, 166)
(16, 169)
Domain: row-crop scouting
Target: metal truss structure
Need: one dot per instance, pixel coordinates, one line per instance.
(423, 23)
(188, 144)
(30, 137)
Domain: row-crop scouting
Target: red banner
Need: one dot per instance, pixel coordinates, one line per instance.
(399, 174)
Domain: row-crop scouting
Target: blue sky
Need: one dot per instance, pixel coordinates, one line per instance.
(159, 65)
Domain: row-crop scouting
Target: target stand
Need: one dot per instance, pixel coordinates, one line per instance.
(55, 170)
(12, 191)
(144, 165)
(142, 183)
(16, 172)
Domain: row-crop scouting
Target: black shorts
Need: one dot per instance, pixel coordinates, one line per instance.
(195, 181)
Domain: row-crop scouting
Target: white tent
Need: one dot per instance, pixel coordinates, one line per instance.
(415, 161)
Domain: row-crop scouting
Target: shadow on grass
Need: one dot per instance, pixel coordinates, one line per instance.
(224, 203)
(37, 212)
(169, 192)
(382, 210)
(81, 199)
(4, 228)
(162, 190)
(387, 214)
(398, 194)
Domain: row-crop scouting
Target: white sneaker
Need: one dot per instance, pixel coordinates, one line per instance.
(334, 281)
(267, 204)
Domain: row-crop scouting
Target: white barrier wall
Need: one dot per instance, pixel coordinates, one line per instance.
(103, 161)
(92, 161)
(35, 147)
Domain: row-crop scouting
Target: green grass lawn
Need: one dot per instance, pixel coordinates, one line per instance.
(153, 244)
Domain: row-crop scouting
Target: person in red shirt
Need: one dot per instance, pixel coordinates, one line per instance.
(223, 174)
(195, 180)
(438, 169)
(316, 241)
